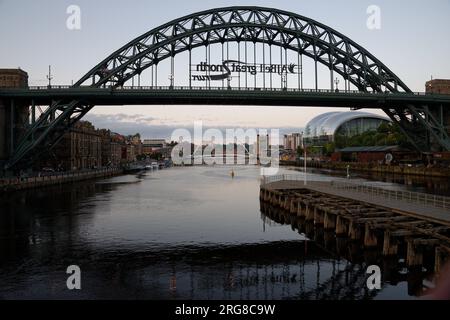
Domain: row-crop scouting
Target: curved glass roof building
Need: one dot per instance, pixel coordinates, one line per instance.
(350, 123)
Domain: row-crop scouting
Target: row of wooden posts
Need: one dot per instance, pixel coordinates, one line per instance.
(375, 227)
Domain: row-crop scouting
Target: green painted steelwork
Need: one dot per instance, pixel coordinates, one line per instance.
(272, 27)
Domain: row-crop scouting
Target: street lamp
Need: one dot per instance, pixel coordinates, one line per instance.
(336, 82)
(229, 78)
(49, 77)
(284, 81)
(171, 77)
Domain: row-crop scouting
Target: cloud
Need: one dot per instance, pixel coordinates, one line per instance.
(146, 126)
(124, 117)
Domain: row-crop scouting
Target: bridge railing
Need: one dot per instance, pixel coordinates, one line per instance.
(401, 195)
(39, 178)
(218, 88)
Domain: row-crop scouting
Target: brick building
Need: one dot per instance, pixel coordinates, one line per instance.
(441, 86)
(292, 141)
(152, 145)
(112, 144)
(81, 148)
(12, 78)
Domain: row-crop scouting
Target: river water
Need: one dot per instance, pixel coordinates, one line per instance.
(178, 233)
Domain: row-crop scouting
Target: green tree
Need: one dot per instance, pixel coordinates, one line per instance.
(386, 134)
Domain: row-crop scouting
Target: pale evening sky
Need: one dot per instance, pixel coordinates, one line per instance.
(412, 42)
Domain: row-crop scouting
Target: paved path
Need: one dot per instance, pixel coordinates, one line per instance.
(411, 208)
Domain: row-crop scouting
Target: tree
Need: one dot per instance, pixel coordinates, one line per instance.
(300, 151)
(329, 148)
(387, 134)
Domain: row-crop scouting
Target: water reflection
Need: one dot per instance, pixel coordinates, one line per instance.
(353, 284)
(179, 233)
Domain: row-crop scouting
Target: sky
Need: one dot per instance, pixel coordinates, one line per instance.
(411, 41)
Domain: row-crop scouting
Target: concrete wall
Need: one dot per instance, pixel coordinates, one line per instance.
(14, 184)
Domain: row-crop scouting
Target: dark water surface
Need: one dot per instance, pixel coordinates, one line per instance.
(175, 234)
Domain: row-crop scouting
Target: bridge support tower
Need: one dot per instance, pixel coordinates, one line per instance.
(13, 114)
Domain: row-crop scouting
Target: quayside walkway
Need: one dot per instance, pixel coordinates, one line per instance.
(432, 207)
(410, 225)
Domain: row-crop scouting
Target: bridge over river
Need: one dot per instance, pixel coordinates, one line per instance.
(241, 55)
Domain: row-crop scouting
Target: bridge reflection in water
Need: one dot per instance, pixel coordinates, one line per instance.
(38, 243)
(350, 283)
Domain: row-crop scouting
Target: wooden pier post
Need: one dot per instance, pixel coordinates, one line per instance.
(390, 244)
(442, 256)
(273, 198)
(354, 231)
(293, 207)
(299, 208)
(309, 213)
(287, 203)
(280, 200)
(341, 246)
(318, 216)
(329, 240)
(309, 230)
(329, 221)
(370, 238)
(414, 254)
(341, 226)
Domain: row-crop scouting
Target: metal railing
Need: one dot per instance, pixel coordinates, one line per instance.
(219, 88)
(44, 177)
(400, 195)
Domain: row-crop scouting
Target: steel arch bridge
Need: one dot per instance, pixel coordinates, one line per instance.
(268, 27)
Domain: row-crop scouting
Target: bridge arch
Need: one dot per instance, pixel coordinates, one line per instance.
(283, 29)
(255, 24)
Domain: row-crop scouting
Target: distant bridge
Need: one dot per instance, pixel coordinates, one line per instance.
(250, 56)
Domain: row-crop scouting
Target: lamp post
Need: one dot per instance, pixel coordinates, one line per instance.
(49, 77)
(336, 82)
(171, 77)
(284, 81)
(304, 159)
(229, 78)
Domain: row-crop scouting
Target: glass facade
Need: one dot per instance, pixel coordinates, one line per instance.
(326, 126)
(358, 126)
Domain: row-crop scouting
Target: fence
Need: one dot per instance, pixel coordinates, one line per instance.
(54, 178)
(159, 88)
(401, 195)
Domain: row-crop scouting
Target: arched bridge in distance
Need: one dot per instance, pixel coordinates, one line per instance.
(234, 55)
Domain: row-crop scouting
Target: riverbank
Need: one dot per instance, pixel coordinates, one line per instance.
(14, 184)
(369, 167)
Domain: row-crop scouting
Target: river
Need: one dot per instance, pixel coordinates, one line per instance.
(177, 233)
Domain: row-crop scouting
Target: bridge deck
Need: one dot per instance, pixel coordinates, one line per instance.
(427, 212)
(219, 95)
